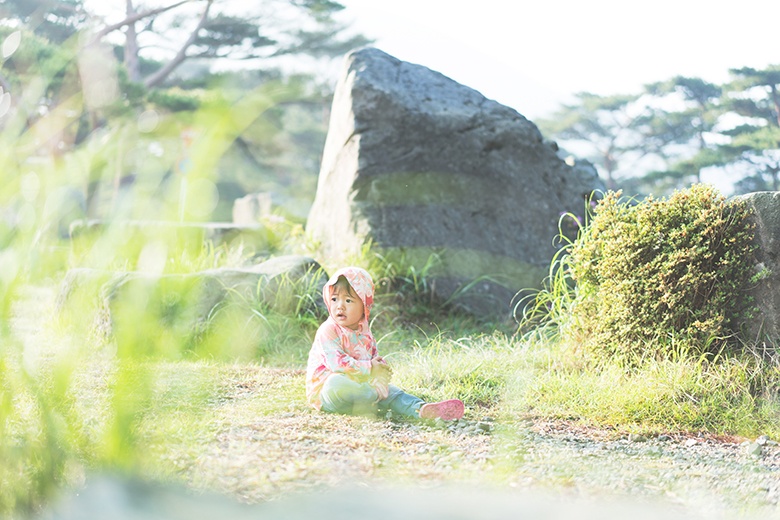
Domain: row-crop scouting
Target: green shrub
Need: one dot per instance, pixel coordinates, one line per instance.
(175, 100)
(660, 278)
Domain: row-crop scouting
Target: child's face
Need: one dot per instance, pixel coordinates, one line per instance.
(345, 307)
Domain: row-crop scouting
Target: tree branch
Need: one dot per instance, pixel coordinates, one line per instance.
(158, 77)
(134, 18)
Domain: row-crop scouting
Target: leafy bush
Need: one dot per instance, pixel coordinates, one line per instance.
(659, 278)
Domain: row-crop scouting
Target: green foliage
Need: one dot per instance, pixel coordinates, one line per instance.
(754, 95)
(679, 129)
(56, 22)
(175, 100)
(730, 396)
(406, 287)
(46, 73)
(658, 278)
(223, 32)
(748, 77)
(608, 124)
(683, 138)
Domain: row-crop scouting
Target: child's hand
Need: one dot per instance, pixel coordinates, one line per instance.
(380, 370)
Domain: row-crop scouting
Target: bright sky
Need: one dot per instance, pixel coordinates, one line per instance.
(532, 54)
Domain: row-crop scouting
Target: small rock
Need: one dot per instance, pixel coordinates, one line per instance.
(288, 414)
(664, 438)
(691, 442)
(754, 449)
(485, 427)
(488, 419)
(762, 440)
(635, 437)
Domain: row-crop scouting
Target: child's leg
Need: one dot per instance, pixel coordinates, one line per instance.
(401, 403)
(340, 394)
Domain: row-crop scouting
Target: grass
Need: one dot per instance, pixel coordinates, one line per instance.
(76, 404)
(473, 368)
(660, 396)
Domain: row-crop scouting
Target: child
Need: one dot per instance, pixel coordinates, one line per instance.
(345, 372)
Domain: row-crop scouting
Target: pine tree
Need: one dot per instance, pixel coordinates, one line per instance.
(604, 123)
(754, 95)
(203, 29)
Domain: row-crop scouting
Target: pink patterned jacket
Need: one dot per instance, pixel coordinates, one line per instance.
(337, 349)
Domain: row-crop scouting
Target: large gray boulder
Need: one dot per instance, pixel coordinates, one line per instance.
(424, 168)
(762, 330)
